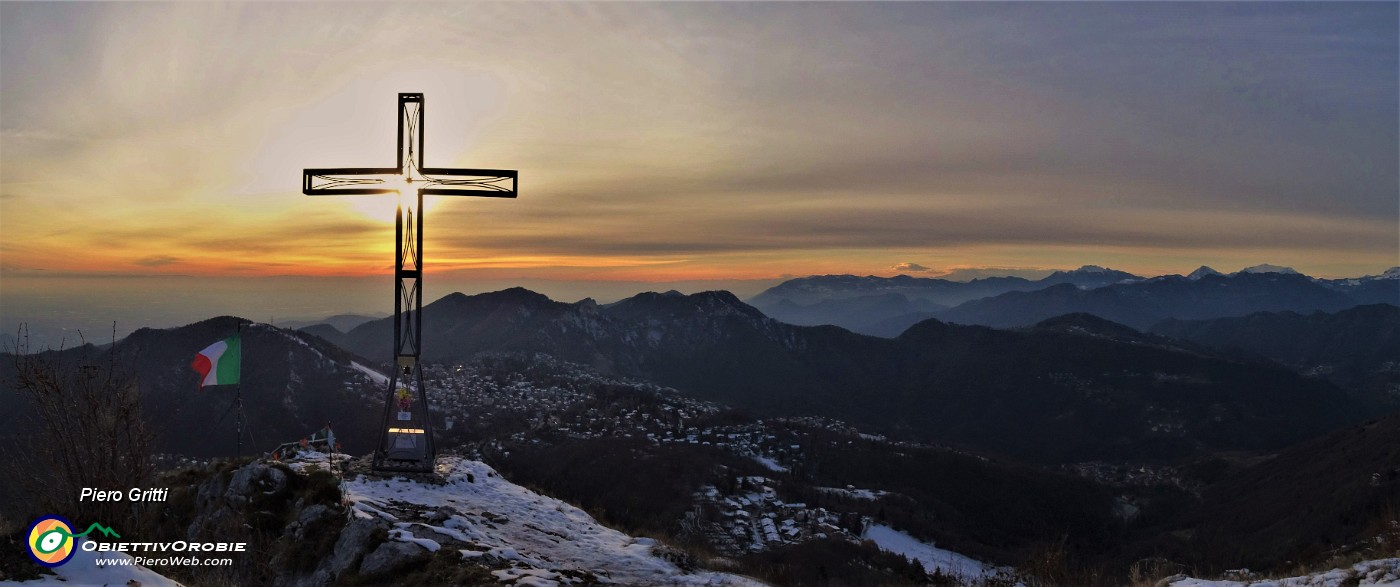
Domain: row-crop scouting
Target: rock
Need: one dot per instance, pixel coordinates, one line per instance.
(391, 556)
(353, 542)
(313, 514)
(310, 518)
(207, 521)
(209, 491)
(254, 478)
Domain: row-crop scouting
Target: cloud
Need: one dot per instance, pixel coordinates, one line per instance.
(790, 138)
(907, 267)
(157, 261)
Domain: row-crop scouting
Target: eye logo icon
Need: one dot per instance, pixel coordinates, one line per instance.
(51, 541)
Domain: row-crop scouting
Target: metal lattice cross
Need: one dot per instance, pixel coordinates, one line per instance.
(406, 442)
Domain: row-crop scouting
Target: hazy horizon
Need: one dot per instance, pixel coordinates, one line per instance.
(57, 308)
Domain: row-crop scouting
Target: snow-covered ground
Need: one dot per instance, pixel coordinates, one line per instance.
(933, 558)
(538, 538)
(855, 493)
(769, 463)
(1373, 573)
(82, 569)
(376, 376)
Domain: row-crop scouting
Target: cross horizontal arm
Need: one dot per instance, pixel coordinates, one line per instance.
(435, 181)
(488, 183)
(348, 181)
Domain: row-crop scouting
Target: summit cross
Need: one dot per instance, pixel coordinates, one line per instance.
(406, 440)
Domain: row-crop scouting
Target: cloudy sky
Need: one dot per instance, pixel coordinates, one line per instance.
(720, 141)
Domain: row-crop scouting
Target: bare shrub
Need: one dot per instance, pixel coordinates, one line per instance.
(84, 429)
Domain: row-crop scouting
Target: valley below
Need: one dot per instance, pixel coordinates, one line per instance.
(692, 440)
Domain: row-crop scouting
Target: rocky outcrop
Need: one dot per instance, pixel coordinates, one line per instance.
(392, 556)
(297, 518)
(253, 480)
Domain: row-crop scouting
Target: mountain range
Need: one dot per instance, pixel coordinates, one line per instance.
(1057, 392)
(1069, 387)
(885, 307)
(816, 288)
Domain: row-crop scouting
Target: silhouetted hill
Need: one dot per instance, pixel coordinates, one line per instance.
(292, 385)
(818, 288)
(1143, 304)
(1005, 389)
(885, 306)
(327, 332)
(1310, 499)
(864, 314)
(872, 305)
(892, 327)
(1038, 394)
(341, 322)
(1081, 323)
(1358, 347)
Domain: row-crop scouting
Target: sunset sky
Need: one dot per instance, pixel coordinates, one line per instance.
(723, 141)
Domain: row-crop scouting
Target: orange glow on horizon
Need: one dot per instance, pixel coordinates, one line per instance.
(680, 147)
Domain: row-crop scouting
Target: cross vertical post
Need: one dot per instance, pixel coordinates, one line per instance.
(406, 438)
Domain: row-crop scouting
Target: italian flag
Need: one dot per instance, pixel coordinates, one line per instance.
(219, 364)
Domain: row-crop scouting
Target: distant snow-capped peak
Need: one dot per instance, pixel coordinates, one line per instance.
(1202, 271)
(1090, 269)
(1267, 268)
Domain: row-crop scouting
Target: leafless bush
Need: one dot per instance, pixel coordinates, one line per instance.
(84, 429)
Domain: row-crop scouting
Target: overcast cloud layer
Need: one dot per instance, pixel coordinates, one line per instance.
(690, 141)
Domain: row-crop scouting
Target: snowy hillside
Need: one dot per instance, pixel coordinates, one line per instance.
(84, 570)
(530, 539)
(934, 559)
(1375, 573)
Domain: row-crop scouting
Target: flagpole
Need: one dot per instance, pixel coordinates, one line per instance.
(238, 394)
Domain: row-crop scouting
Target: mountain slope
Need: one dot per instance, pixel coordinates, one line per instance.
(1371, 289)
(292, 384)
(1143, 304)
(1050, 396)
(1037, 394)
(864, 314)
(817, 288)
(809, 292)
(1357, 347)
(534, 539)
(1311, 498)
(341, 322)
(1367, 334)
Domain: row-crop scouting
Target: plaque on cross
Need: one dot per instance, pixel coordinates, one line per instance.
(406, 439)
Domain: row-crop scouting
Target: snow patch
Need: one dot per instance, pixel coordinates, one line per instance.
(1373, 573)
(376, 376)
(82, 569)
(403, 535)
(769, 463)
(1267, 268)
(933, 558)
(855, 493)
(541, 539)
